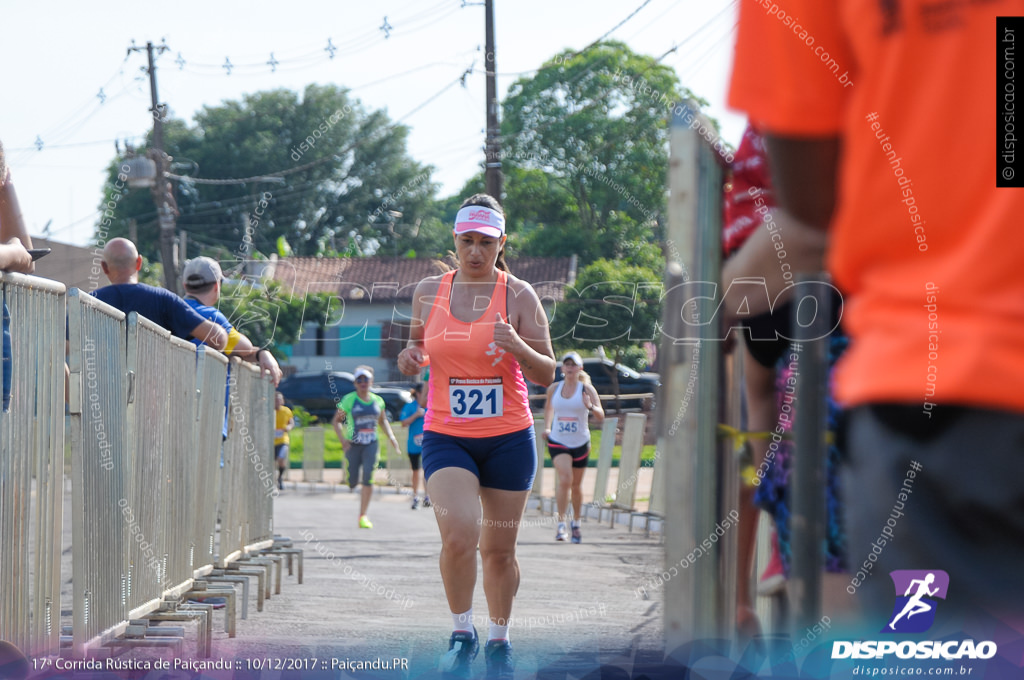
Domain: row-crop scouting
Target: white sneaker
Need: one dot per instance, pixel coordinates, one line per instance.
(561, 534)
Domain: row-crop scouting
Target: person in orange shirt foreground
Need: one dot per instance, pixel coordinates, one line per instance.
(864, 106)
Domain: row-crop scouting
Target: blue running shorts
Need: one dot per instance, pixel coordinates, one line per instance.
(507, 461)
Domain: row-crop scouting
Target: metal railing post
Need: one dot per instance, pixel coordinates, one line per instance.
(811, 314)
(691, 356)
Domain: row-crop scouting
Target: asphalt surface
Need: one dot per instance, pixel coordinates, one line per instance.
(377, 593)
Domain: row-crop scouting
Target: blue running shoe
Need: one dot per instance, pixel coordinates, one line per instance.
(499, 660)
(462, 649)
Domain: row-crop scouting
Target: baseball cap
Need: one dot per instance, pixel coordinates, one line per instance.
(480, 218)
(575, 358)
(363, 373)
(201, 271)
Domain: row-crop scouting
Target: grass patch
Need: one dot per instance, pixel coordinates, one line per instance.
(333, 453)
(332, 448)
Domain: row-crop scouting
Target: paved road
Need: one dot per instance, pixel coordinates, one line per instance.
(378, 593)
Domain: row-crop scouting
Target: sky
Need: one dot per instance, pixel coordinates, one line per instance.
(52, 80)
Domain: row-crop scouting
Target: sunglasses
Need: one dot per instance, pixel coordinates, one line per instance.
(362, 379)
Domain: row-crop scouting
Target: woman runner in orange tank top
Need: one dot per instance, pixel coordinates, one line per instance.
(482, 331)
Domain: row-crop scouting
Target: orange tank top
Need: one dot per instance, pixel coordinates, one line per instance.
(476, 389)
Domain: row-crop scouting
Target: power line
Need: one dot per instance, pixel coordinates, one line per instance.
(615, 27)
(327, 159)
(656, 19)
(354, 45)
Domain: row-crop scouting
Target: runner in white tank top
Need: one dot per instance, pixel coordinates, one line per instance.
(566, 428)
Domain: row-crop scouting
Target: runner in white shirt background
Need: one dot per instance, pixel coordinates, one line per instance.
(567, 431)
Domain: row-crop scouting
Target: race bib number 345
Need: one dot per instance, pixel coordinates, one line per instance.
(475, 397)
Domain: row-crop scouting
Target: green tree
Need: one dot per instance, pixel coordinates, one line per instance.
(613, 305)
(345, 174)
(596, 125)
(268, 314)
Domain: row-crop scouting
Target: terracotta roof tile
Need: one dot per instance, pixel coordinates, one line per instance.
(386, 279)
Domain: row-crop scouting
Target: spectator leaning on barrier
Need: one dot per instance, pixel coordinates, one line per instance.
(14, 257)
(121, 263)
(202, 280)
(861, 165)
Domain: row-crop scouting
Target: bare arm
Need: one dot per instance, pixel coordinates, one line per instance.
(13, 233)
(383, 422)
(211, 334)
(418, 413)
(549, 410)
(338, 430)
(245, 350)
(268, 363)
(595, 403)
(804, 172)
(527, 336)
(412, 358)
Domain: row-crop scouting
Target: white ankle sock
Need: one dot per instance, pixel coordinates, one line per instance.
(497, 632)
(463, 622)
(575, 524)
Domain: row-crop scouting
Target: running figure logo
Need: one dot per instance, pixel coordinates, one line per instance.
(914, 611)
(495, 351)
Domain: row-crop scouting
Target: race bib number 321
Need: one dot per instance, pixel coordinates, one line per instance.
(475, 397)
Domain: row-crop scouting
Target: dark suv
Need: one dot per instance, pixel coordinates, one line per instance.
(630, 382)
(319, 393)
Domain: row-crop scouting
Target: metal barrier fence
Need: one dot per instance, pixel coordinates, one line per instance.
(247, 518)
(147, 413)
(629, 460)
(210, 412)
(97, 407)
(604, 458)
(161, 470)
(698, 602)
(313, 454)
(701, 388)
(32, 465)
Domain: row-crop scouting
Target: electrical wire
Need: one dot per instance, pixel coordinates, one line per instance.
(305, 166)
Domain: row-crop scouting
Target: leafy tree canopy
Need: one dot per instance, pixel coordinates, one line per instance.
(596, 125)
(348, 180)
(613, 304)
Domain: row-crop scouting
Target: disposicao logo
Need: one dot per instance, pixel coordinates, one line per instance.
(916, 589)
(914, 612)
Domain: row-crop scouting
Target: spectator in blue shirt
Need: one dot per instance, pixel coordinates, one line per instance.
(412, 417)
(121, 264)
(202, 278)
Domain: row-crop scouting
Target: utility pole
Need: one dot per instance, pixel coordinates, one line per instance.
(162, 196)
(492, 149)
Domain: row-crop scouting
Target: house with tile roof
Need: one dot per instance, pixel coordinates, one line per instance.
(374, 301)
(74, 266)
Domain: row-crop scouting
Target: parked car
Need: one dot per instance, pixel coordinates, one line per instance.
(319, 393)
(630, 382)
